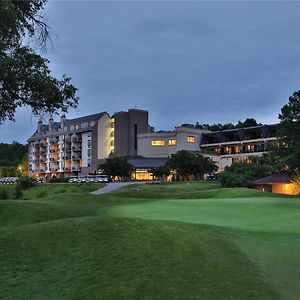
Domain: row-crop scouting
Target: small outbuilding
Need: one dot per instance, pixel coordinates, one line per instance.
(281, 183)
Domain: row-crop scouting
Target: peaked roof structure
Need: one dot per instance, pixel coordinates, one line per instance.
(276, 178)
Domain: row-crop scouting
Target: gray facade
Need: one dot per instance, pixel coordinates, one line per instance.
(127, 127)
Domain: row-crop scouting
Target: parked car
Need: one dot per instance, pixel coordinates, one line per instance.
(88, 178)
(9, 180)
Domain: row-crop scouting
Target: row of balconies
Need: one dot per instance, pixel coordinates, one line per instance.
(56, 169)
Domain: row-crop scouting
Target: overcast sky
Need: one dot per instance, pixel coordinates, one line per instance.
(185, 62)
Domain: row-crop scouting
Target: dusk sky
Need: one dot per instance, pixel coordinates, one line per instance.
(185, 62)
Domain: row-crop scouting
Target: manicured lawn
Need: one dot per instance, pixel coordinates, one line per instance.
(172, 241)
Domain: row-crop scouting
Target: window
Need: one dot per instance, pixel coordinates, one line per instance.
(172, 142)
(191, 139)
(237, 149)
(157, 143)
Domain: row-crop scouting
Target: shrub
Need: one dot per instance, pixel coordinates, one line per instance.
(26, 182)
(18, 193)
(3, 194)
(58, 180)
(242, 174)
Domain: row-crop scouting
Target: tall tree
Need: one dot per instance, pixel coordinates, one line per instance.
(25, 78)
(186, 163)
(117, 167)
(288, 151)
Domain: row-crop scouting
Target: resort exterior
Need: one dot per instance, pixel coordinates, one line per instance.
(79, 146)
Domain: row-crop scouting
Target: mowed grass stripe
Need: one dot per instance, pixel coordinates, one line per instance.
(256, 214)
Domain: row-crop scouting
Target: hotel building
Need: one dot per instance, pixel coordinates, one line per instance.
(240, 144)
(79, 146)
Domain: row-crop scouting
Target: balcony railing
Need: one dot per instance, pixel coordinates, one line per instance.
(74, 157)
(76, 169)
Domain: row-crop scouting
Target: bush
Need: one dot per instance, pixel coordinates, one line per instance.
(58, 180)
(242, 174)
(18, 193)
(3, 194)
(26, 182)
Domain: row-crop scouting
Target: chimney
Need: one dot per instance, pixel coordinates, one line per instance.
(40, 127)
(51, 125)
(63, 121)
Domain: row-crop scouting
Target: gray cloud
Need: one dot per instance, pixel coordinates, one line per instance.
(183, 61)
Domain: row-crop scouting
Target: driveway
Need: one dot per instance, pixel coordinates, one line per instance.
(112, 186)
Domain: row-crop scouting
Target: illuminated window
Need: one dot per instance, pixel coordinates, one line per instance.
(157, 143)
(237, 149)
(191, 139)
(228, 150)
(172, 142)
(218, 151)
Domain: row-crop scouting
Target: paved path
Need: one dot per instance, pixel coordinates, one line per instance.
(112, 186)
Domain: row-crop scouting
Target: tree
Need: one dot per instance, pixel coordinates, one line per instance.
(249, 122)
(287, 154)
(3, 172)
(186, 164)
(25, 78)
(23, 167)
(202, 165)
(241, 174)
(12, 154)
(117, 167)
(160, 172)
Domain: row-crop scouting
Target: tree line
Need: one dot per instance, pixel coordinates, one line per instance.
(13, 159)
(249, 122)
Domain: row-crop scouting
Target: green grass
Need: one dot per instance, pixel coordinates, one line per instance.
(170, 241)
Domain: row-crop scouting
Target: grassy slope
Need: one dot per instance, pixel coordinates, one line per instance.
(266, 229)
(64, 245)
(106, 258)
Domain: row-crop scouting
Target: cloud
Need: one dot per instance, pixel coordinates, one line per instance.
(183, 61)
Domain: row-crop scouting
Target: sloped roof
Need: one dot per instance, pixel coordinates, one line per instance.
(85, 118)
(276, 178)
(69, 122)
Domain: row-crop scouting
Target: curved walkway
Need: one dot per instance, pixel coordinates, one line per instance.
(112, 186)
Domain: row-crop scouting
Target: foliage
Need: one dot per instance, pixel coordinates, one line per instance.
(186, 164)
(13, 154)
(249, 122)
(24, 165)
(58, 180)
(287, 154)
(18, 193)
(160, 172)
(3, 193)
(25, 76)
(26, 182)
(117, 167)
(241, 174)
